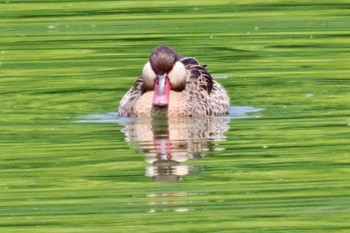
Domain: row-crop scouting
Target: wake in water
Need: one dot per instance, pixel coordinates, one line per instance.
(236, 112)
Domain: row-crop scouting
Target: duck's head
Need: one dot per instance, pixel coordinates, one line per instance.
(162, 73)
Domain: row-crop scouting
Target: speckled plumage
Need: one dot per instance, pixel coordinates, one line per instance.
(201, 96)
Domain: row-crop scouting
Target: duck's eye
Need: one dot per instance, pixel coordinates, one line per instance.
(148, 76)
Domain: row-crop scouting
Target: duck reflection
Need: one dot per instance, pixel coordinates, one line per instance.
(168, 142)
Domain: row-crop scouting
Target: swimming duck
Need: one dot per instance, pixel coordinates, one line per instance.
(173, 85)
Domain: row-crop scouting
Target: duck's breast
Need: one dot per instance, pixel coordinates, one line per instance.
(177, 105)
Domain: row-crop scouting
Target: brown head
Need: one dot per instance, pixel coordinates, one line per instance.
(162, 59)
(163, 72)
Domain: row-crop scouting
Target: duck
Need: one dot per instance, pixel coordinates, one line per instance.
(174, 85)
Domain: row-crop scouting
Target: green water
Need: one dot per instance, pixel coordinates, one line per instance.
(285, 170)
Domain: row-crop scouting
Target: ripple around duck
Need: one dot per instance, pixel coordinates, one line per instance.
(236, 112)
(167, 143)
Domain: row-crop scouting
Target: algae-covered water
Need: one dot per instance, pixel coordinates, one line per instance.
(280, 162)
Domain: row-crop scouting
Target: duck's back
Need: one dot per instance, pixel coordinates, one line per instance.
(205, 96)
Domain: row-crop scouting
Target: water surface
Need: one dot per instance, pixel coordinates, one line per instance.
(284, 170)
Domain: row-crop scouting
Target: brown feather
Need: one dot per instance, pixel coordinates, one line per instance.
(201, 96)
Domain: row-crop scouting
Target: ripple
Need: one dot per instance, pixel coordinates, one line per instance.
(236, 112)
(169, 142)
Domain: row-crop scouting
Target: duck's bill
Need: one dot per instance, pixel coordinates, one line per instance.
(161, 91)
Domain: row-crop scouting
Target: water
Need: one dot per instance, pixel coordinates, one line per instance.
(236, 112)
(169, 142)
(278, 163)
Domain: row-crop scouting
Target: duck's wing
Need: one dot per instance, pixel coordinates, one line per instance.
(127, 104)
(198, 77)
(204, 96)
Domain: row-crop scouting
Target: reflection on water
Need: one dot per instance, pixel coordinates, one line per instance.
(172, 201)
(168, 142)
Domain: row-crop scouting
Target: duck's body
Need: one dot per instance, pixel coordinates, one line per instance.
(175, 86)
